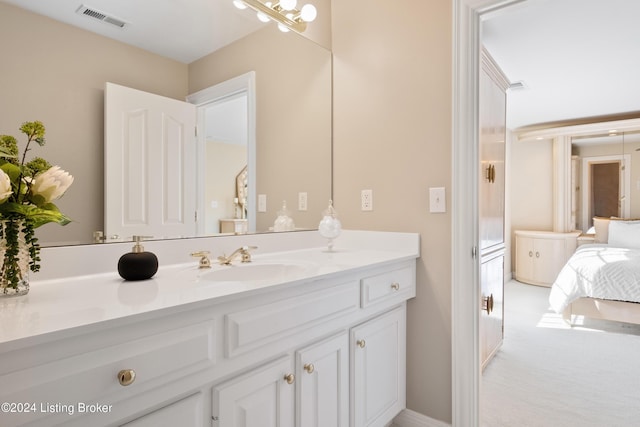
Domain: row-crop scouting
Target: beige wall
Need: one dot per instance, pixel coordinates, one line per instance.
(530, 187)
(293, 96)
(392, 134)
(56, 73)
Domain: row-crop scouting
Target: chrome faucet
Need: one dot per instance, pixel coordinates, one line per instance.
(243, 252)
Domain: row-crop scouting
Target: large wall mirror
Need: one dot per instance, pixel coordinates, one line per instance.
(56, 73)
(607, 175)
(596, 171)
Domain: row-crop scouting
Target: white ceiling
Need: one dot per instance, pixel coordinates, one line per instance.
(578, 58)
(184, 30)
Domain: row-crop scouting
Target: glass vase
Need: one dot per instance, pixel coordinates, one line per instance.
(14, 258)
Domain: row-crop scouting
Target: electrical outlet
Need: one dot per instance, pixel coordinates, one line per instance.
(302, 201)
(262, 202)
(366, 200)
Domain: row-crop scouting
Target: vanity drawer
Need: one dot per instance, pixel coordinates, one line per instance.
(392, 286)
(93, 377)
(266, 323)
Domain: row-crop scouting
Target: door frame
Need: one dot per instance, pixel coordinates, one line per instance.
(465, 296)
(243, 83)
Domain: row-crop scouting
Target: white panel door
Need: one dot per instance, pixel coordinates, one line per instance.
(323, 383)
(150, 162)
(379, 369)
(261, 398)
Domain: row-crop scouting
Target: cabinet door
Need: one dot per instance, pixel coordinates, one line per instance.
(491, 316)
(492, 111)
(379, 369)
(187, 412)
(524, 259)
(263, 397)
(323, 383)
(549, 258)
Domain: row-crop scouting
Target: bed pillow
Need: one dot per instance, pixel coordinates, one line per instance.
(601, 226)
(624, 234)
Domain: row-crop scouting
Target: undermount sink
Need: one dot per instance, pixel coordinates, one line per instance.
(251, 272)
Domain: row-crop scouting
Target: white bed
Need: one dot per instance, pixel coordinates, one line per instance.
(602, 280)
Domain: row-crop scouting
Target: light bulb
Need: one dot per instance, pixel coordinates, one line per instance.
(288, 4)
(239, 4)
(283, 28)
(308, 13)
(262, 17)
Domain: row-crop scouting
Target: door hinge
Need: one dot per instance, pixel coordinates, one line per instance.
(195, 131)
(474, 252)
(195, 216)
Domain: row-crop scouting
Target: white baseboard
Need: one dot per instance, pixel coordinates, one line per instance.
(409, 418)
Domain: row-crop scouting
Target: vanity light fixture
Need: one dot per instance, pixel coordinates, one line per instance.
(283, 12)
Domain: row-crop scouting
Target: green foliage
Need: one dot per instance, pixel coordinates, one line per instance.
(36, 166)
(9, 148)
(22, 210)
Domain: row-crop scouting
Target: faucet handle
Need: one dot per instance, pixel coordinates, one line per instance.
(246, 255)
(205, 262)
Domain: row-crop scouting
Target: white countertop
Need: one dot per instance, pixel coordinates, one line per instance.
(64, 303)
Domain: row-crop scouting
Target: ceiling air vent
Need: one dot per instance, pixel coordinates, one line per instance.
(100, 16)
(519, 85)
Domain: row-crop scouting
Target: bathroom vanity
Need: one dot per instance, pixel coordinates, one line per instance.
(295, 336)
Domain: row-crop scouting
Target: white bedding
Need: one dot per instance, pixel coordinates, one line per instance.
(598, 271)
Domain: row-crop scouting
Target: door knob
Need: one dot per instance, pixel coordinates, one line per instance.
(309, 368)
(361, 343)
(289, 378)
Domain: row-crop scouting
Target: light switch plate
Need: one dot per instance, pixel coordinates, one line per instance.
(302, 201)
(262, 202)
(437, 200)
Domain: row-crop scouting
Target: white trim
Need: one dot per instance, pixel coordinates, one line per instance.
(242, 83)
(465, 363)
(562, 184)
(409, 418)
(626, 125)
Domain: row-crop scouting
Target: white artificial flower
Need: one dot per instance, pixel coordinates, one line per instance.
(51, 184)
(5, 186)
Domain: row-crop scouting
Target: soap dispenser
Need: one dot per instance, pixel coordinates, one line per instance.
(137, 264)
(284, 222)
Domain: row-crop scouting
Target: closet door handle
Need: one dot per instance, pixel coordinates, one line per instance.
(530, 253)
(487, 304)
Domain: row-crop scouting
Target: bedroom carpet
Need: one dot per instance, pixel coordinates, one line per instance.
(547, 374)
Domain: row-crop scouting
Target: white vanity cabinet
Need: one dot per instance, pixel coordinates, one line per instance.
(540, 255)
(185, 412)
(289, 354)
(263, 397)
(312, 392)
(379, 369)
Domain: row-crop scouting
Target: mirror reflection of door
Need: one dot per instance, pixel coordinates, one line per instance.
(225, 129)
(605, 189)
(226, 116)
(149, 165)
